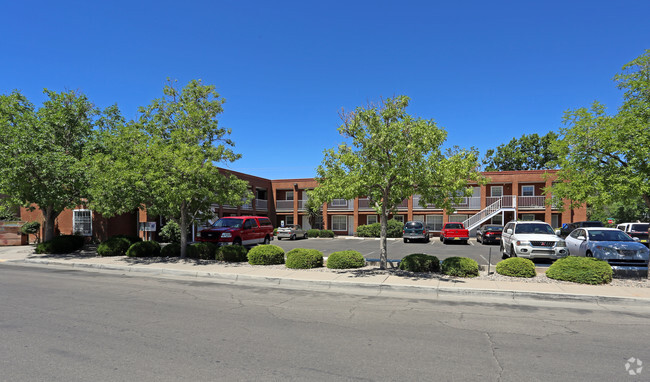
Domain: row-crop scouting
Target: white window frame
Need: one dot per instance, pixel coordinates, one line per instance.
(524, 188)
(375, 218)
(288, 195)
(339, 203)
(288, 220)
(399, 218)
(496, 194)
(497, 219)
(82, 225)
(457, 218)
(434, 222)
(339, 223)
(528, 217)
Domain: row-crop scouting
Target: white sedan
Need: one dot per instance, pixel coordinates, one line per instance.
(609, 244)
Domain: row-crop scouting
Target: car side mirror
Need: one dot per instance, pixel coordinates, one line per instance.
(582, 238)
(509, 231)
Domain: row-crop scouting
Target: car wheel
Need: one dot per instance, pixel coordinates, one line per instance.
(504, 255)
(279, 238)
(305, 236)
(589, 254)
(237, 241)
(478, 239)
(266, 240)
(512, 251)
(293, 237)
(427, 239)
(406, 240)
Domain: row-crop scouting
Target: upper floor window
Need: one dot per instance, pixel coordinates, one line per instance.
(496, 190)
(527, 190)
(339, 203)
(289, 195)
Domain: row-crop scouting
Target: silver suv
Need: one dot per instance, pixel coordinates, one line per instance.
(532, 239)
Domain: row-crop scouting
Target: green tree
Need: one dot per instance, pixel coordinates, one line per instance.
(313, 210)
(392, 156)
(42, 151)
(530, 152)
(621, 211)
(166, 161)
(604, 158)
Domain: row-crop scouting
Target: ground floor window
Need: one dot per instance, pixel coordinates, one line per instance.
(418, 218)
(527, 217)
(372, 219)
(498, 219)
(339, 223)
(82, 222)
(555, 220)
(399, 218)
(434, 222)
(288, 219)
(457, 218)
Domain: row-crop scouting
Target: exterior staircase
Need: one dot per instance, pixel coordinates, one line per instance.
(504, 203)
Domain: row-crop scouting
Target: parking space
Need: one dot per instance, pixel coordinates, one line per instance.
(397, 249)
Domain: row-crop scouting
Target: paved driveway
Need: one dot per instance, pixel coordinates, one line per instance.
(397, 249)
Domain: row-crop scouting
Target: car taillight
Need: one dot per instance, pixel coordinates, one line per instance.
(424, 232)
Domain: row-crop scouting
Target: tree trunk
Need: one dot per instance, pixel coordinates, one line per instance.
(383, 255)
(49, 218)
(646, 199)
(183, 229)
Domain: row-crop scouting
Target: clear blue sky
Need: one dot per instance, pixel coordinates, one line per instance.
(486, 71)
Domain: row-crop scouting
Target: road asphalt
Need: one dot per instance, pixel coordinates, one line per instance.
(366, 281)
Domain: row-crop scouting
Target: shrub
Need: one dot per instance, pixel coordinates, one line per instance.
(459, 266)
(171, 232)
(31, 228)
(275, 232)
(204, 250)
(301, 258)
(61, 244)
(583, 270)
(345, 260)
(326, 233)
(115, 246)
(131, 238)
(171, 250)
(144, 249)
(419, 262)
(313, 232)
(516, 267)
(369, 230)
(232, 253)
(266, 254)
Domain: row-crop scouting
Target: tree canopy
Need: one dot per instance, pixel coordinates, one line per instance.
(391, 157)
(605, 158)
(42, 152)
(166, 161)
(530, 152)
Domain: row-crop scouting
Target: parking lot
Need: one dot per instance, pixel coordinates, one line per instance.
(397, 249)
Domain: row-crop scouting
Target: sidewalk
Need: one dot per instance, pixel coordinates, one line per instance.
(368, 280)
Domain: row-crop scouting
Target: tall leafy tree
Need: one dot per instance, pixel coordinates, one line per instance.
(392, 156)
(605, 158)
(42, 151)
(530, 152)
(166, 161)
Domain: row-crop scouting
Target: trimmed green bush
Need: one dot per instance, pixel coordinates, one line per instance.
(516, 267)
(144, 249)
(266, 254)
(313, 233)
(394, 229)
(326, 233)
(419, 262)
(459, 266)
(204, 250)
(131, 238)
(345, 260)
(232, 253)
(171, 250)
(301, 258)
(583, 270)
(61, 244)
(171, 232)
(115, 246)
(275, 232)
(31, 228)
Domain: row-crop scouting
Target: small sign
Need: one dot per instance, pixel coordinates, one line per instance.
(147, 226)
(610, 221)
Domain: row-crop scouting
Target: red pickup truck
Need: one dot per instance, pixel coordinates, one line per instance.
(239, 230)
(454, 232)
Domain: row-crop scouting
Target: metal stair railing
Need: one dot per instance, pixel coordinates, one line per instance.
(482, 215)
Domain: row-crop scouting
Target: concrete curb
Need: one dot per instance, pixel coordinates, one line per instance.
(373, 289)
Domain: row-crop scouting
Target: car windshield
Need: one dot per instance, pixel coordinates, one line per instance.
(608, 235)
(454, 226)
(535, 228)
(228, 223)
(639, 227)
(494, 228)
(413, 225)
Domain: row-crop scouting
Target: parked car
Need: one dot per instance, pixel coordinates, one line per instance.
(532, 239)
(415, 230)
(569, 227)
(619, 249)
(454, 232)
(239, 230)
(489, 234)
(291, 232)
(638, 230)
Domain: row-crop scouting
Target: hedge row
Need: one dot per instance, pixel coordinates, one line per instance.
(394, 229)
(320, 233)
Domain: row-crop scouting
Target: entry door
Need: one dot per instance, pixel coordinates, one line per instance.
(305, 223)
(351, 225)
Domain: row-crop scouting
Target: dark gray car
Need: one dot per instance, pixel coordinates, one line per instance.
(415, 231)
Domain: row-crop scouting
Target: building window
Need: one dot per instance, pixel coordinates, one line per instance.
(434, 222)
(399, 218)
(497, 219)
(496, 191)
(418, 218)
(289, 195)
(339, 223)
(528, 217)
(527, 190)
(339, 203)
(457, 218)
(288, 219)
(372, 219)
(82, 222)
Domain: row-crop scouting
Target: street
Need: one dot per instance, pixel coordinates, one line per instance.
(68, 325)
